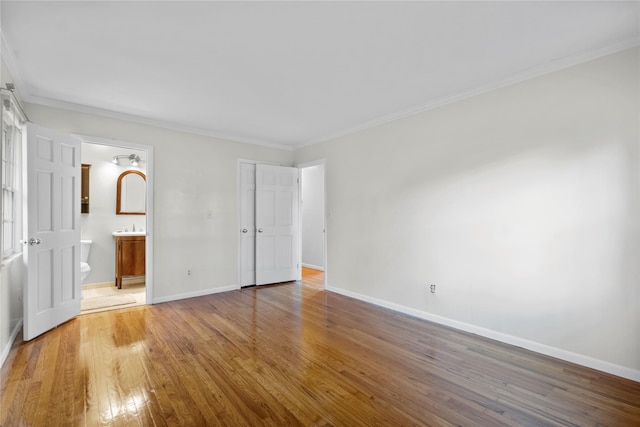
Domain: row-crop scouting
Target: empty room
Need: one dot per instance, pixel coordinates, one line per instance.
(320, 213)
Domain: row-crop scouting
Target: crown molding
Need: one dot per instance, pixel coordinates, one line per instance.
(163, 124)
(519, 77)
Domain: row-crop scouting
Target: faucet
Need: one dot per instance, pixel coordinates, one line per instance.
(133, 228)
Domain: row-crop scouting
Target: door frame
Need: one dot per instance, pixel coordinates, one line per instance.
(149, 207)
(301, 166)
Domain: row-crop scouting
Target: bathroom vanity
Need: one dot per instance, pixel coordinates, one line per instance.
(130, 255)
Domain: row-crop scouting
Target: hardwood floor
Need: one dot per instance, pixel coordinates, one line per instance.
(313, 277)
(293, 354)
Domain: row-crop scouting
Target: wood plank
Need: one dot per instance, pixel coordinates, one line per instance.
(294, 354)
(313, 277)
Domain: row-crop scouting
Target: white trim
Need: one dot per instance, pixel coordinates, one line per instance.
(195, 294)
(149, 282)
(12, 339)
(98, 285)
(163, 124)
(112, 142)
(315, 267)
(312, 163)
(547, 350)
(260, 162)
(521, 76)
(125, 280)
(15, 120)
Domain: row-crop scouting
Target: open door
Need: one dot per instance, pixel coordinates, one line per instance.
(277, 224)
(52, 243)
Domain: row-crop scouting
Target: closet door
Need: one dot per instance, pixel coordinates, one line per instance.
(277, 224)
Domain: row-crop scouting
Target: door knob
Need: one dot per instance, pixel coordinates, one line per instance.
(259, 230)
(244, 230)
(33, 241)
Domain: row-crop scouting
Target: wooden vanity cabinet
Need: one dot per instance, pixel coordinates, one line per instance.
(130, 257)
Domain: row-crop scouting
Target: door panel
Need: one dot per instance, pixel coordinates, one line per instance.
(44, 292)
(44, 208)
(52, 254)
(277, 224)
(247, 224)
(67, 267)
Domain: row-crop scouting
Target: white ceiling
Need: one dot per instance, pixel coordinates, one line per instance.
(292, 73)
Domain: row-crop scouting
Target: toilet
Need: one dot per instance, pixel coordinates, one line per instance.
(85, 248)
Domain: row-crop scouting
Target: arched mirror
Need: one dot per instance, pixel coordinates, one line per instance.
(131, 193)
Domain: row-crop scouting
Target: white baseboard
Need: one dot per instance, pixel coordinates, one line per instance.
(315, 267)
(194, 294)
(98, 285)
(130, 281)
(12, 338)
(547, 350)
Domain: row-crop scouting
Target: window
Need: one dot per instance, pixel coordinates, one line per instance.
(11, 184)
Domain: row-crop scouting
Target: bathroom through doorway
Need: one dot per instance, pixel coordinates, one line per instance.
(106, 226)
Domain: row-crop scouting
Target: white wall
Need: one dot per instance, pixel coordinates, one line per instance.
(102, 220)
(313, 216)
(521, 205)
(192, 176)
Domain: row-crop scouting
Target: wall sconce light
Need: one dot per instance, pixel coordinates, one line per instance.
(133, 158)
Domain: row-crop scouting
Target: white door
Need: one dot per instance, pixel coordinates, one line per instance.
(52, 254)
(277, 224)
(247, 224)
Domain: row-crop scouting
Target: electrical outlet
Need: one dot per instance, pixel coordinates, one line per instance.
(189, 272)
(433, 288)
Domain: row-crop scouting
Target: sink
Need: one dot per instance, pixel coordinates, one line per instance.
(129, 233)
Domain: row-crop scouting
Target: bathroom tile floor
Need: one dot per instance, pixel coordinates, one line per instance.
(137, 290)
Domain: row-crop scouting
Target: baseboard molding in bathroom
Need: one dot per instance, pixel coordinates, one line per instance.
(98, 285)
(135, 281)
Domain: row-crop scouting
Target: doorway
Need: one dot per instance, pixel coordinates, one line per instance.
(313, 222)
(52, 281)
(107, 161)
